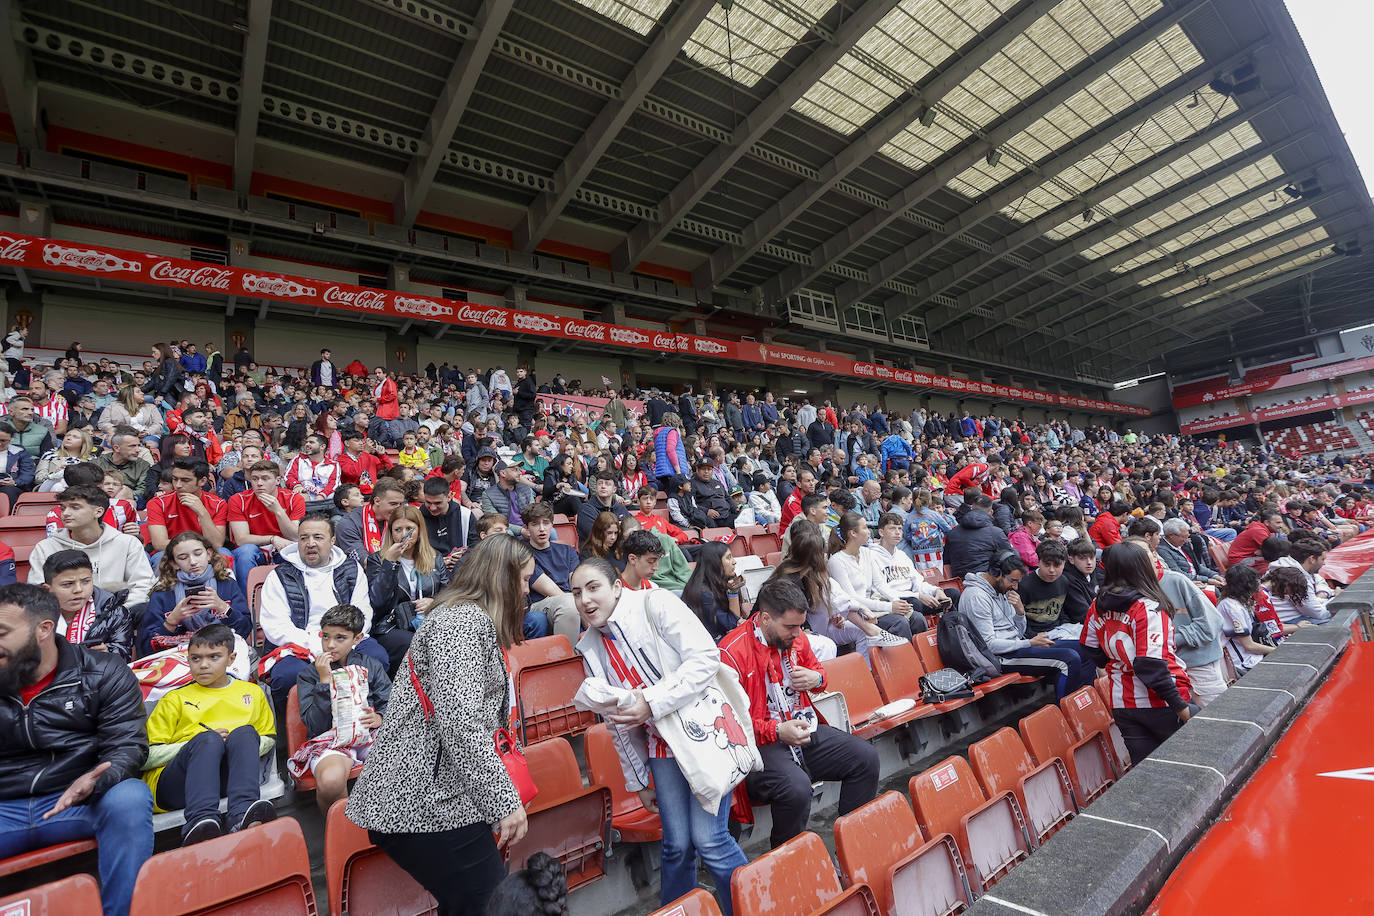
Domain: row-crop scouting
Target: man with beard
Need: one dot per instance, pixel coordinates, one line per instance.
(72, 745)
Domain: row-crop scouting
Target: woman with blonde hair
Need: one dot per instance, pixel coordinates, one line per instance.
(445, 708)
(403, 578)
(75, 448)
(131, 408)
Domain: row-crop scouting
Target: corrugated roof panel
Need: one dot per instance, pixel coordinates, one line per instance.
(641, 15)
(1279, 265)
(1260, 233)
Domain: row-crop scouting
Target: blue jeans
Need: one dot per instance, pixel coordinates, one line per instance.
(1223, 534)
(246, 558)
(121, 822)
(688, 831)
(536, 625)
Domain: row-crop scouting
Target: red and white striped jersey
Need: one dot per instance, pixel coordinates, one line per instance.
(628, 676)
(1142, 631)
(54, 411)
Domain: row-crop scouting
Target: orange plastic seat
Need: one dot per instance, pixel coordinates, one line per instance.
(546, 673)
(698, 902)
(567, 534)
(22, 537)
(662, 512)
(1217, 550)
(795, 878)
(363, 879)
(1000, 763)
(764, 543)
(773, 558)
(4, 505)
(21, 522)
(560, 519)
(850, 676)
(296, 735)
(1089, 761)
(77, 895)
(1087, 714)
(882, 846)
(539, 651)
(270, 874)
(750, 531)
(569, 821)
(46, 500)
(1104, 689)
(252, 589)
(45, 856)
(629, 817)
(991, 833)
(898, 670)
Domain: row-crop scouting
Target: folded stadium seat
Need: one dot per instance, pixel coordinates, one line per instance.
(773, 558)
(763, 544)
(32, 500)
(263, 869)
(567, 534)
(929, 650)
(797, 877)
(569, 821)
(560, 519)
(849, 676)
(750, 531)
(78, 895)
(4, 505)
(253, 590)
(363, 879)
(991, 833)
(546, 674)
(1087, 714)
(44, 856)
(1000, 763)
(897, 670)
(1217, 550)
(882, 846)
(17, 536)
(296, 735)
(1089, 761)
(698, 902)
(629, 818)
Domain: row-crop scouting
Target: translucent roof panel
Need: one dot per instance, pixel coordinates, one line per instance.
(1153, 67)
(639, 15)
(1248, 212)
(1212, 290)
(1256, 235)
(1227, 188)
(1059, 41)
(899, 52)
(1229, 144)
(1273, 253)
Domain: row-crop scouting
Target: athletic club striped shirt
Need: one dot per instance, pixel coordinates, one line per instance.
(1142, 631)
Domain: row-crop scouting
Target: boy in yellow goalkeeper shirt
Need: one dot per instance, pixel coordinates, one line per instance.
(205, 740)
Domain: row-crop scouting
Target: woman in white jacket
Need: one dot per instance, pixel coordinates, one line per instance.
(667, 664)
(855, 570)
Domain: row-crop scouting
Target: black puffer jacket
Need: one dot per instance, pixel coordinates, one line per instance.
(972, 542)
(114, 624)
(91, 713)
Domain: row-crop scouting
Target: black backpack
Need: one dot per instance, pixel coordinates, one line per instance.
(962, 649)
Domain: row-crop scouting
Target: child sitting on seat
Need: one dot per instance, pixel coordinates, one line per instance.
(205, 740)
(341, 629)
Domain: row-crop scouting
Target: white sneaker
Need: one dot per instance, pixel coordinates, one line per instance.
(885, 638)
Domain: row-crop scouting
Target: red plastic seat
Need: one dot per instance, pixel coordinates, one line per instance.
(569, 821)
(763, 544)
(252, 589)
(20, 522)
(1217, 550)
(773, 558)
(850, 676)
(546, 673)
(629, 817)
(560, 519)
(897, 671)
(363, 879)
(1104, 689)
(270, 873)
(4, 505)
(882, 846)
(662, 512)
(698, 902)
(46, 500)
(1089, 761)
(539, 651)
(45, 856)
(567, 534)
(1000, 763)
(991, 833)
(1087, 714)
(750, 531)
(22, 537)
(796, 878)
(77, 895)
(297, 734)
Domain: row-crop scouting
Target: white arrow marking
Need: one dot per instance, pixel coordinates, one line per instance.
(1364, 773)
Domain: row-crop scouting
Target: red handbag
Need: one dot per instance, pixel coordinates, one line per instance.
(517, 767)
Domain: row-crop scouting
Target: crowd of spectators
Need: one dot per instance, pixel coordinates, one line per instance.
(366, 492)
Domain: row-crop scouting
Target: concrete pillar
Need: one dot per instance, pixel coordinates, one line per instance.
(613, 312)
(35, 218)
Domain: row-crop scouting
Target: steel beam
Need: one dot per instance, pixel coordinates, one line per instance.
(719, 161)
(1042, 224)
(18, 80)
(250, 91)
(453, 101)
(585, 154)
(1108, 262)
(792, 278)
(1158, 102)
(728, 258)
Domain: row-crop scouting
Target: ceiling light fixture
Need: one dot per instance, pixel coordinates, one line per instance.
(994, 157)
(928, 116)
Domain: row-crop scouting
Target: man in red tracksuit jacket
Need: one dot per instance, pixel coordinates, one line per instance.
(777, 669)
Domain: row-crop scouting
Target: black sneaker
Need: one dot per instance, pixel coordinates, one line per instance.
(260, 812)
(207, 828)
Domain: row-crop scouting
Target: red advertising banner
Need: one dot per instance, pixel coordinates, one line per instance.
(1311, 405)
(1245, 389)
(37, 253)
(566, 405)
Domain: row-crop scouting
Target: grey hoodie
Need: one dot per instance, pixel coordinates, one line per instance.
(1001, 627)
(1197, 622)
(117, 562)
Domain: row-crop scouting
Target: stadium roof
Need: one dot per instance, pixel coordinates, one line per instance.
(1078, 185)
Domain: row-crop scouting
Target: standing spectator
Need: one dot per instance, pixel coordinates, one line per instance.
(974, 540)
(313, 475)
(323, 371)
(164, 386)
(509, 497)
(384, 395)
(524, 395)
(670, 454)
(192, 363)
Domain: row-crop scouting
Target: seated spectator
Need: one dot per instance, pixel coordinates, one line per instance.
(360, 531)
(601, 540)
(714, 509)
(263, 519)
(122, 516)
(313, 475)
(561, 488)
(646, 498)
(1246, 546)
(974, 539)
(194, 588)
(187, 508)
(313, 576)
(123, 458)
(899, 572)
(509, 496)
(30, 430)
(1238, 606)
(206, 740)
(1024, 539)
(403, 578)
(72, 745)
(641, 551)
(550, 595)
(764, 501)
(451, 526)
(362, 461)
(347, 497)
(993, 603)
(16, 466)
(411, 455)
(672, 571)
(1291, 591)
(855, 570)
(816, 510)
(132, 409)
(1176, 550)
(714, 592)
(1106, 528)
(603, 499)
(341, 630)
(1308, 553)
(90, 616)
(1044, 592)
(74, 449)
(779, 671)
(118, 559)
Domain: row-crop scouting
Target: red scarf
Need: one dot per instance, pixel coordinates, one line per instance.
(372, 532)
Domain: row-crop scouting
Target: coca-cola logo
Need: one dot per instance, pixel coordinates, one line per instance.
(490, 318)
(668, 342)
(526, 322)
(425, 308)
(200, 277)
(682, 342)
(708, 346)
(884, 372)
(88, 259)
(957, 384)
(372, 299)
(863, 369)
(276, 286)
(587, 330)
(13, 249)
(628, 336)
